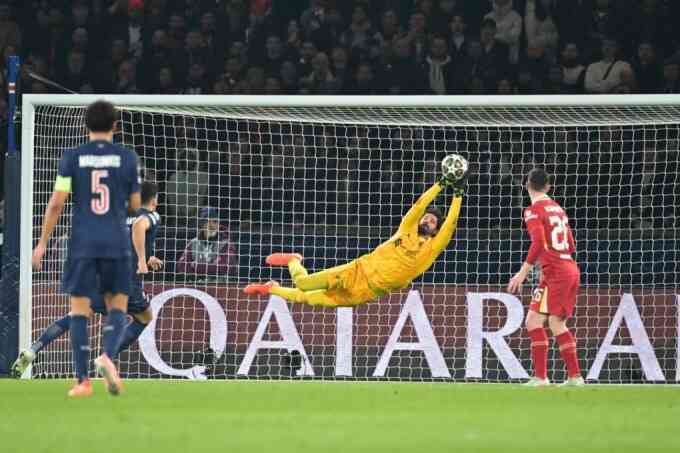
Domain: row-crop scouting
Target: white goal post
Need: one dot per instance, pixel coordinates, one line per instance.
(331, 176)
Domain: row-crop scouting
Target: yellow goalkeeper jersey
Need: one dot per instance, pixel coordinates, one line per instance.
(406, 255)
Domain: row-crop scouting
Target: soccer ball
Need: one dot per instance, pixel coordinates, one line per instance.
(454, 167)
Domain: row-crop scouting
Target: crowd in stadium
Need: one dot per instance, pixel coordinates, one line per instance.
(345, 47)
(365, 47)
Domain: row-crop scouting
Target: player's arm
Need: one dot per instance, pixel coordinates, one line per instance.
(62, 189)
(538, 245)
(413, 216)
(134, 203)
(139, 228)
(447, 229)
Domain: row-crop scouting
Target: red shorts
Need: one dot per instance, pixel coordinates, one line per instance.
(556, 296)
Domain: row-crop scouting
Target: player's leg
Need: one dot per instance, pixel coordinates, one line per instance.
(140, 320)
(535, 322)
(79, 280)
(315, 298)
(295, 295)
(304, 280)
(27, 356)
(114, 276)
(325, 279)
(80, 344)
(561, 309)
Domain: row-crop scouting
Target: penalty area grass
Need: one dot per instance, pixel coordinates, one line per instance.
(375, 417)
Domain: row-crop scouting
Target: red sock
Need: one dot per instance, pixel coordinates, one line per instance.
(567, 344)
(539, 352)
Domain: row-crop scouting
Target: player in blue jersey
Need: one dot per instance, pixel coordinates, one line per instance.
(144, 227)
(105, 185)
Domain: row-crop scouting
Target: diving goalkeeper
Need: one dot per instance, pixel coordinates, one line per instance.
(421, 237)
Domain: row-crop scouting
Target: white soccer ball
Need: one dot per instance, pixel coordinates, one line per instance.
(454, 167)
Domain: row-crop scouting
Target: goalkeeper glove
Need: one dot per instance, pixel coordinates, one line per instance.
(459, 186)
(445, 182)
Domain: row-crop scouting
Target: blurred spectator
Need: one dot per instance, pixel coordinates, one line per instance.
(233, 71)
(389, 29)
(273, 55)
(126, 80)
(256, 78)
(321, 80)
(10, 33)
(56, 41)
(197, 81)
(506, 86)
(541, 30)
(341, 66)
(651, 21)
(457, 42)
(671, 75)
(196, 51)
(364, 81)
(445, 12)
(272, 86)
(536, 62)
(508, 26)
(80, 42)
(76, 77)
(134, 30)
(306, 55)
(210, 255)
(176, 32)
(647, 70)
(606, 75)
(187, 187)
(527, 83)
(212, 40)
(293, 38)
(573, 72)
(601, 24)
(493, 61)
(417, 36)
(439, 67)
(166, 82)
(555, 82)
(401, 74)
(289, 78)
(360, 31)
(315, 26)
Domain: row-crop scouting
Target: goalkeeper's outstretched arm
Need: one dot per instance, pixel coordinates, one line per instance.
(413, 216)
(447, 229)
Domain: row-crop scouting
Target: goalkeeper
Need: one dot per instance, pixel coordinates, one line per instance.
(421, 237)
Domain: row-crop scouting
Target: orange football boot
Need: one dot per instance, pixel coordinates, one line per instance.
(81, 390)
(260, 289)
(282, 259)
(108, 371)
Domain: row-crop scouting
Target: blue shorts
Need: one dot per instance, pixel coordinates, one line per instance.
(138, 301)
(84, 277)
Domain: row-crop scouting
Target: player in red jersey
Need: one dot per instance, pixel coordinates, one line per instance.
(552, 246)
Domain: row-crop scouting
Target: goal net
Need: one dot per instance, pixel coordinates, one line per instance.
(330, 179)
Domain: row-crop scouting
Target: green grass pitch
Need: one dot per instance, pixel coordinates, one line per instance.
(282, 417)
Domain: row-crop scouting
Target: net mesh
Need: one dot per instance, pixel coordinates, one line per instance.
(332, 183)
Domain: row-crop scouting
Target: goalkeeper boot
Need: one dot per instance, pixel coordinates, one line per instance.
(260, 289)
(576, 381)
(26, 357)
(81, 390)
(536, 382)
(282, 259)
(107, 370)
